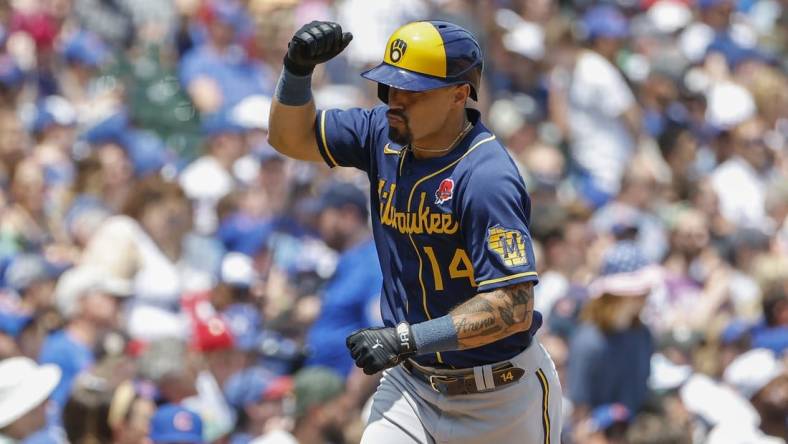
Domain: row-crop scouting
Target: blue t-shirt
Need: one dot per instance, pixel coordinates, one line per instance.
(237, 76)
(610, 368)
(446, 228)
(71, 356)
(350, 302)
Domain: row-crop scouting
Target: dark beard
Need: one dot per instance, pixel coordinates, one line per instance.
(399, 137)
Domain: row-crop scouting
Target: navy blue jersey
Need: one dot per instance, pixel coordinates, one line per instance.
(446, 228)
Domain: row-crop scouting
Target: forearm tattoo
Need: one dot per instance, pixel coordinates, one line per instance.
(488, 317)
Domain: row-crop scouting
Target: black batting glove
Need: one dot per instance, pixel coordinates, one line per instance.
(376, 349)
(315, 43)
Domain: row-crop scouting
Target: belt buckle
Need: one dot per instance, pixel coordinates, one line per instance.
(439, 378)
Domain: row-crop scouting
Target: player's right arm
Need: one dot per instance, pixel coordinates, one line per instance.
(291, 126)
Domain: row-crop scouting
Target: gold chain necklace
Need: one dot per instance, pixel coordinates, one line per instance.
(456, 140)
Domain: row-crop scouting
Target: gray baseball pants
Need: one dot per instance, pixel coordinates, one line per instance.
(407, 410)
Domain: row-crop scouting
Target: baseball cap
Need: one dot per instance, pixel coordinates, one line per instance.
(706, 4)
(669, 16)
(53, 110)
(175, 424)
(27, 269)
(605, 21)
(237, 270)
(729, 104)
(85, 48)
(665, 375)
(752, 371)
(79, 281)
(110, 129)
(228, 12)
(338, 195)
(245, 234)
(252, 112)
(625, 271)
(211, 334)
(256, 384)
(145, 149)
(526, 39)
(314, 386)
(266, 153)
(623, 257)
(220, 123)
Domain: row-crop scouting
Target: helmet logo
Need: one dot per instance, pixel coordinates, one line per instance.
(397, 50)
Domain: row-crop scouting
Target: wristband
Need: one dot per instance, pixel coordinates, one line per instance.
(436, 335)
(293, 90)
(296, 68)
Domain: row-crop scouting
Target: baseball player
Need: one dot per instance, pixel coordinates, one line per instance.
(450, 216)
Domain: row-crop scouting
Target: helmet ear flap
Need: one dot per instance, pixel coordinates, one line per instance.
(383, 93)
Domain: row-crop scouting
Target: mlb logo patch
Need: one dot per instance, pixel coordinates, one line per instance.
(445, 191)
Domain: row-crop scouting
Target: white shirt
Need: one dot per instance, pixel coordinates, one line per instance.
(598, 96)
(205, 181)
(741, 193)
(276, 437)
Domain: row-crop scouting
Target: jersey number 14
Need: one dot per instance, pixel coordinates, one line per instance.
(460, 267)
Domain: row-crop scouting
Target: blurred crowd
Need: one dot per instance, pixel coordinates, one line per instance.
(166, 276)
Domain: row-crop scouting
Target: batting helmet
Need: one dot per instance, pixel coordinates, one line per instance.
(421, 56)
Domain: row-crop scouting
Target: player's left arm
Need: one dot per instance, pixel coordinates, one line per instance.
(494, 315)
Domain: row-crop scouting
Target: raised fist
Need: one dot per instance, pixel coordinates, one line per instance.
(315, 43)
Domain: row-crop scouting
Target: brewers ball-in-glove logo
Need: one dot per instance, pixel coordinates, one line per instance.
(397, 50)
(508, 244)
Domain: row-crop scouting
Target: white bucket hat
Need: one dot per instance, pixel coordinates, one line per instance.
(81, 280)
(23, 386)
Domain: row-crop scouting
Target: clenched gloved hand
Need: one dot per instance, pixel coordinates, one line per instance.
(315, 43)
(376, 349)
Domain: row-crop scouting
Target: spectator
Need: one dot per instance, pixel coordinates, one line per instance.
(350, 300)
(144, 245)
(260, 398)
(33, 280)
(166, 364)
(89, 301)
(130, 412)
(24, 389)
(763, 380)
(748, 168)
(320, 410)
(219, 74)
(210, 178)
(610, 351)
(603, 115)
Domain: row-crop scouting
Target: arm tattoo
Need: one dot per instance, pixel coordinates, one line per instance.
(488, 317)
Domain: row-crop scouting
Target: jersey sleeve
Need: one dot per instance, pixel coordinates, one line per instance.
(347, 137)
(495, 215)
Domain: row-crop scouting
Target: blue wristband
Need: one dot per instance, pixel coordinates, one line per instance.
(436, 335)
(293, 90)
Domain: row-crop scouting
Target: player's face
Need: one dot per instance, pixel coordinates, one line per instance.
(416, 115)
